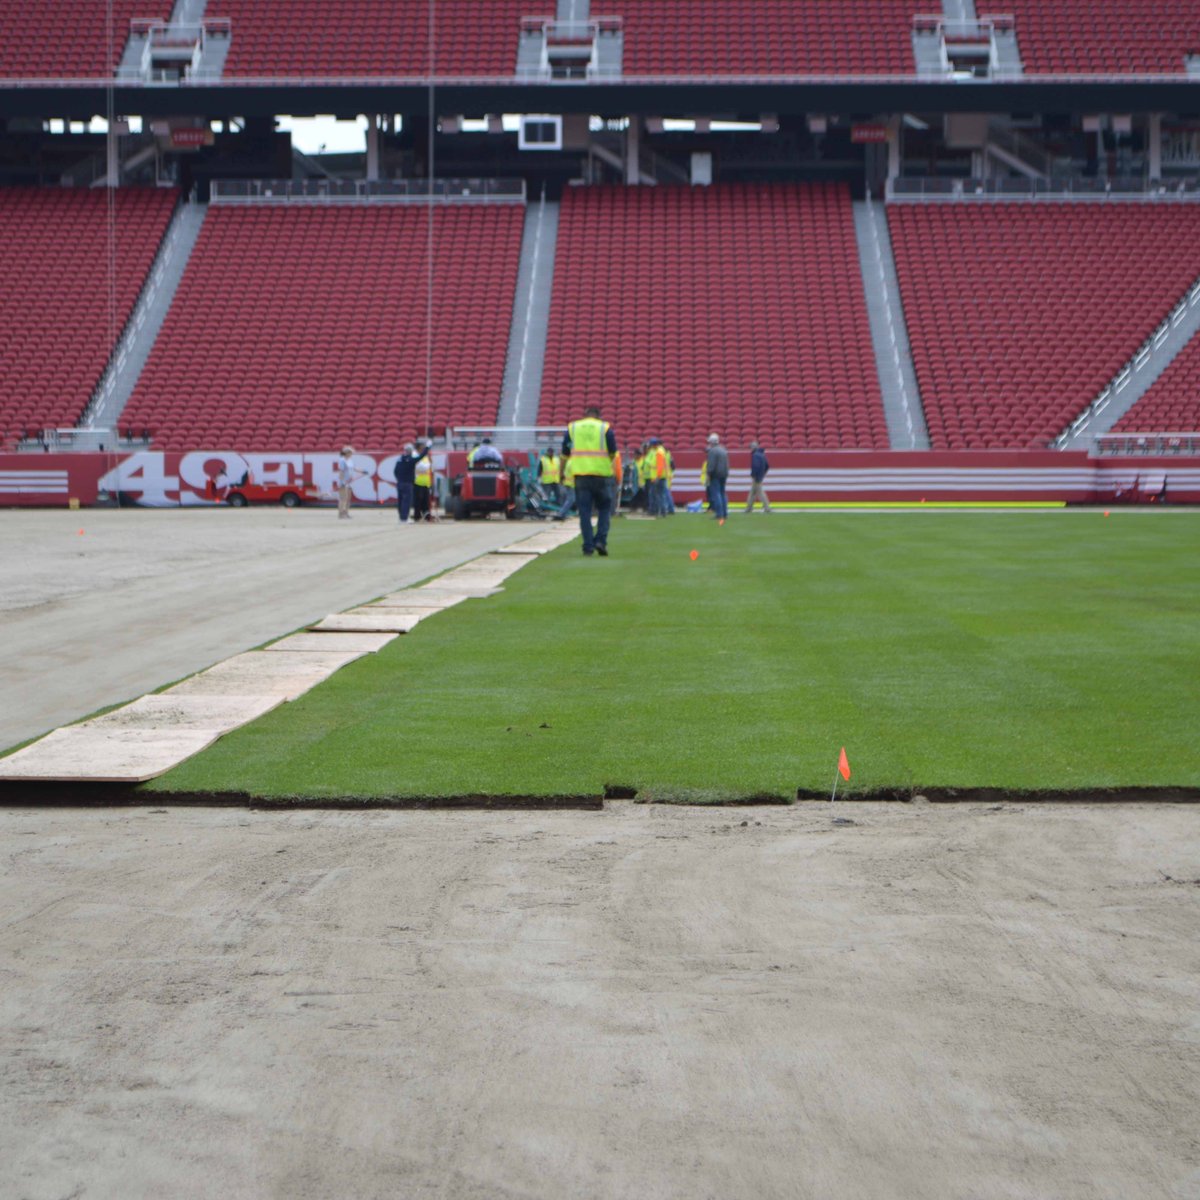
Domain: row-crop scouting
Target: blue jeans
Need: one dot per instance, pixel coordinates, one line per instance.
(404, 499)
(568, 501)
(659, 498)
(593, 490)
(720, 506)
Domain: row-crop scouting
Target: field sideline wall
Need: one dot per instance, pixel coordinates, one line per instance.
(166, 480)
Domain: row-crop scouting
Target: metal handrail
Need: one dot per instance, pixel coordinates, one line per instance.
(509, 80)
(1148, 444)
(1147, 350)
(909, 189)
(363, 191)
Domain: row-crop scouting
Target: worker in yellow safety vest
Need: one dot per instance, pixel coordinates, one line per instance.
(669, 482)
(656, 478)
(590, 447)
(423, 487)
(568, 490)
(550, 475)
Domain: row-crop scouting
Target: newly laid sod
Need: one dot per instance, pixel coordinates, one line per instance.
(1023, 650)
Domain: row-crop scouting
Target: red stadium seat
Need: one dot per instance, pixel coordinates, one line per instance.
(768, 37)
(54, 305)
(297, 328)
(67, 38)
(1020, 314)
(366, 37)
(734, 308)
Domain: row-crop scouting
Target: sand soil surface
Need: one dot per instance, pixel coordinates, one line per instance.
(103, 605)
(869, 1001)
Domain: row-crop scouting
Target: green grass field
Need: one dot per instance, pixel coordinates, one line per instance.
(1032, 651)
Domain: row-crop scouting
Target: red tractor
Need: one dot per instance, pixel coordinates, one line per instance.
(487, 488)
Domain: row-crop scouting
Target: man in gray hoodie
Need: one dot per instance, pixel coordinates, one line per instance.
(718, 475)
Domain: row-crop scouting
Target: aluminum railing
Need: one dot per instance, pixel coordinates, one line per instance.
(1148, 350)
(362, 191)
(505, 437)
(920, 189)
(1146, 444)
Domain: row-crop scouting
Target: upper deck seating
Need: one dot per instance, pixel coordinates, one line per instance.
(736, 308)
(1099, 37)
(67, 39)
(302, 328)
(367, 37)
(769, 37)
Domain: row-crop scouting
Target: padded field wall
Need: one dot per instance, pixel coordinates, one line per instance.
(167, 480)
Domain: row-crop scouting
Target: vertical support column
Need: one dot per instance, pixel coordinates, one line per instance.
(112, 177)
(893, 149)
(1154, 145)
(633, 171)
(372, 147)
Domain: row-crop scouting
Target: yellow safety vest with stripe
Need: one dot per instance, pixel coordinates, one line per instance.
(639, 466)
(424, 472)
(589, 449)
(551, 469)
(569, 472)
(668, 470)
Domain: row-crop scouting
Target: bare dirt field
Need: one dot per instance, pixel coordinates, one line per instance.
(984, 1002)
(101, 606)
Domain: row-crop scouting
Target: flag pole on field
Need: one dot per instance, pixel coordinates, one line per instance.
(843, 769)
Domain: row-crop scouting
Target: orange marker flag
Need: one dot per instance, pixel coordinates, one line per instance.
(695, 554)
(843, 769)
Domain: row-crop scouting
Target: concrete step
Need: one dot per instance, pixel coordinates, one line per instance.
(124, 368)
(889, 335)
(927, 55)
(529, 54)
(522, 389)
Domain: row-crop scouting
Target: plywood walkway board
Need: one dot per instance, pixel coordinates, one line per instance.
(425, 597)
(332, 643)
(261, 672)
(85, 753)
(362, 620)
(168, 710)
(461, 589)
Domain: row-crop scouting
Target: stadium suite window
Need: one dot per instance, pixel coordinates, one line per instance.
(540, 133)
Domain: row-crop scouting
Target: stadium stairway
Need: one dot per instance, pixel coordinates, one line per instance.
(1179, 329)
(522, 388)
(889, 335)
(131, 352)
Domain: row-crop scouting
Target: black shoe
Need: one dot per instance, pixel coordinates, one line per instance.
(602, 551)
(587, 554)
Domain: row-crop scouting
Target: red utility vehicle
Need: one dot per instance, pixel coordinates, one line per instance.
(238, 495)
